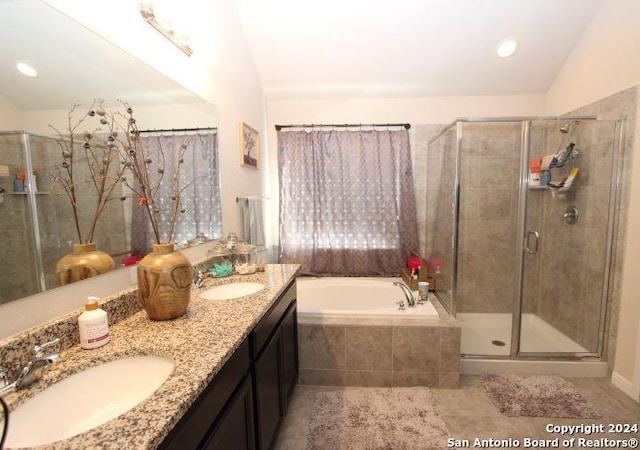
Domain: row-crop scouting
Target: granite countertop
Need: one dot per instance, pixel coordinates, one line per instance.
(199, 343)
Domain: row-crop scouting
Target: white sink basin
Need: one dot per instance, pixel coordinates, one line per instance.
(85, 400)
(231, 290)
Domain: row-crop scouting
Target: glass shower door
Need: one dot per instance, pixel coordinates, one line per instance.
(489, 157)
(567, 238)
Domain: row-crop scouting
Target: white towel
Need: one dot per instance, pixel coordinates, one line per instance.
(252, 219)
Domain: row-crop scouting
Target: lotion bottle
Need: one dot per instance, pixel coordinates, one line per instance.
(93, 325)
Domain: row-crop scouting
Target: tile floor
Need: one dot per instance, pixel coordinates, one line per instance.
(469, 414)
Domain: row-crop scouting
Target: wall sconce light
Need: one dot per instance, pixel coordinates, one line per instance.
(146, 11)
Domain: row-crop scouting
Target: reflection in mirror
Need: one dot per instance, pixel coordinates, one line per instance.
(74, 66)
(42, 215)
(195, 213)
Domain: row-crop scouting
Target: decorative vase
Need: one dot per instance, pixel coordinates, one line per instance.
(84, 262)
(164, 282)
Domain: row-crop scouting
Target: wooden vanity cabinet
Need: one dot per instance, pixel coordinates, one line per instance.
(244, 404)
(212, 409)
(275, 370)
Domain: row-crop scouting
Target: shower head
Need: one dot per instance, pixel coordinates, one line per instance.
(567, 126)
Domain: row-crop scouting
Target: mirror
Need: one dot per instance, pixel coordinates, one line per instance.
(74, 65)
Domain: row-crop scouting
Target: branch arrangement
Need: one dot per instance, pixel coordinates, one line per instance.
(148, 166)
(101, 158)
(122, 150)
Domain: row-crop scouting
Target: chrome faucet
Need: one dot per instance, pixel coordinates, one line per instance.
(198, 280)
(34, 370)
(407, 292)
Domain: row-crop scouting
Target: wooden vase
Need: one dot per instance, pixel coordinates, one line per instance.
(84, 262)
(164, 282)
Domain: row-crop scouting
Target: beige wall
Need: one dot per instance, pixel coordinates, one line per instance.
(9, 115)
(606, 61)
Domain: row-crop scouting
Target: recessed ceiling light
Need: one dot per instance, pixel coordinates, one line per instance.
(507, 47)
(26, 69)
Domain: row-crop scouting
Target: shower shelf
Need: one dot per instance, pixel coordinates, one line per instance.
(25, 193)
(555, 191)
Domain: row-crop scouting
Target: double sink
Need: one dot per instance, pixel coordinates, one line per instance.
(101, 393)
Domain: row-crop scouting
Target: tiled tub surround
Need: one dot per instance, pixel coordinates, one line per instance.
(199, 343)
(355, 351)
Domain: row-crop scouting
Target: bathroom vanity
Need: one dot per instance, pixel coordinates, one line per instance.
(242, 407)
(235, 364)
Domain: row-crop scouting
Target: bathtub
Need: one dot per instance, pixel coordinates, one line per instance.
(352, 333)
(356, 297)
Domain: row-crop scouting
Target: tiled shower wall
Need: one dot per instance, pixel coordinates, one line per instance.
(618, 106)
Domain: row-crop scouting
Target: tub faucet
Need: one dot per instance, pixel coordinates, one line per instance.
(34, 370)
(407, 292)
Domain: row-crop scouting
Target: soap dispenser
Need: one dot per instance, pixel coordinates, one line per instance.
(93, 325)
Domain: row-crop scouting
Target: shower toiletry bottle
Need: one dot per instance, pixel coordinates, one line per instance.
(93, 325)
(423, 289)
(18, 185)
(535, 172)
(570, 180)
(563, 155)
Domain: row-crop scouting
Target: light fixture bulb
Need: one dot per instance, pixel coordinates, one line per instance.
(507, 47)
(26, 69)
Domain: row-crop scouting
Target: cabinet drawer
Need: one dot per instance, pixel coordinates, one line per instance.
(271, 319)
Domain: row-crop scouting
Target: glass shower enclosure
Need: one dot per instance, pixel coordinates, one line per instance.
(522, 255)
(36, 219)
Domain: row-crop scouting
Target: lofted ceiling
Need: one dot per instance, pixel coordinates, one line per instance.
(338, 48)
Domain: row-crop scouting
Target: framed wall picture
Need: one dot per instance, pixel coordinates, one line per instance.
(249, 146)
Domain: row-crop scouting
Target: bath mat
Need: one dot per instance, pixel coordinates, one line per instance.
(376, 418)
(537, 396)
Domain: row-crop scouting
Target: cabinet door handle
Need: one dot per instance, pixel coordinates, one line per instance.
(528, 247)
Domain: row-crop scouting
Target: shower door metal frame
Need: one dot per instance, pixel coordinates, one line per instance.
(614, 203)
(521, 238)
(33, 210)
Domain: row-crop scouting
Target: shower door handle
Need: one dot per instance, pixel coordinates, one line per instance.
(528, 247)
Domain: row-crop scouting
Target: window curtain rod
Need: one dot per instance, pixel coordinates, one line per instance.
(179, 130)
(346, 125)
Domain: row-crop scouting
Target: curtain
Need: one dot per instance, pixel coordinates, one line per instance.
(347, 204)
(201, 200)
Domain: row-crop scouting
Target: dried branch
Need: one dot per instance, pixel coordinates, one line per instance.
(147, 165)
(99, 158)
